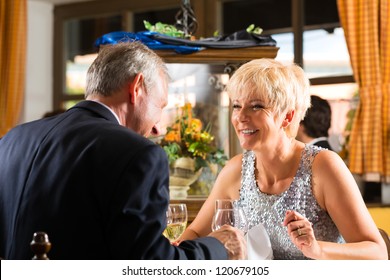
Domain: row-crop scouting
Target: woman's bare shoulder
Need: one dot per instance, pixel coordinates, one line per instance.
(230, 175)
(233, 165)
(331, 177)
(327, 159)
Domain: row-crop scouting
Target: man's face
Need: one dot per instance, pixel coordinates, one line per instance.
(148, 111)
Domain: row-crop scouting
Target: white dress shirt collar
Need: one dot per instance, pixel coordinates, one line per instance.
(115, 115)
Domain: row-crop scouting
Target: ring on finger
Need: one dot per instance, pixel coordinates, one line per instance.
(299, 231)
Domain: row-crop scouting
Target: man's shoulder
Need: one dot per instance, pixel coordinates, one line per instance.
(323, 144)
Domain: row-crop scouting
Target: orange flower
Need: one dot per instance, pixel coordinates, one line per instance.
(188, 109)
(196, 136)
(172, 136)
(196, 125)
(185, 138)
(176, 126)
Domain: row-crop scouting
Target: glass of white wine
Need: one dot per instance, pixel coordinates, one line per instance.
(176, 221)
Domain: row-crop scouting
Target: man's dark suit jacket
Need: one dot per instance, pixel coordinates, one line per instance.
(97, 188)
(324, 144)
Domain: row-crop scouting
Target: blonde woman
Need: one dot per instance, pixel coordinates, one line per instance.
(304, 195)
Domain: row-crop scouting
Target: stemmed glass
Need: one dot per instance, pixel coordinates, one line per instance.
(225, 204)
(229, 212)
(176, 221)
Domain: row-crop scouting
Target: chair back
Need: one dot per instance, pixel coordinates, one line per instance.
(40, 245)
(386, 238)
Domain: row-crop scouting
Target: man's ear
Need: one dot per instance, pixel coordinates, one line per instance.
(136, 87)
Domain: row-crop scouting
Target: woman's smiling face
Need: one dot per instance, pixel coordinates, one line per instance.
(255, 124)
(265, 91)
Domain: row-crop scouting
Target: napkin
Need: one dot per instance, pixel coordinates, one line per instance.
(258, 244)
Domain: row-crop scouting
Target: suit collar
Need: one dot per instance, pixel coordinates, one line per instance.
(97, 108)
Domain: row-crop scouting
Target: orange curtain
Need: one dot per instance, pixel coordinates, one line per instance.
(13, 42)
(366, 26)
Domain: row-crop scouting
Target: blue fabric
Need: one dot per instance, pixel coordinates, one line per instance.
(157, 41)
(146, 38)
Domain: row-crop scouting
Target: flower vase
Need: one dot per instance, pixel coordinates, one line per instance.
(182, 175)
(202, 187)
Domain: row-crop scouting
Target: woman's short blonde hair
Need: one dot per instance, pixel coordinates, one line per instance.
(283, 88)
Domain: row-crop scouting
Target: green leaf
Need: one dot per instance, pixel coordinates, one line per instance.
(147, 25)
(193, 147)
(164, 28)
(255, 30)
(250, 28)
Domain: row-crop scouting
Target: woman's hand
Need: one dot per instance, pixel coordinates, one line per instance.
(301, 234)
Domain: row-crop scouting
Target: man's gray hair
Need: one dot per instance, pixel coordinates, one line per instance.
(118, 64)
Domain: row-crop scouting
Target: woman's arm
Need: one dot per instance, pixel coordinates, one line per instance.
(337, 192)
(226, 186)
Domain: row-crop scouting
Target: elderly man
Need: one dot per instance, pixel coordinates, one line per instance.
(91, 179)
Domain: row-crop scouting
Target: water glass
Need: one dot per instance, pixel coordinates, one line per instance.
(229, 212)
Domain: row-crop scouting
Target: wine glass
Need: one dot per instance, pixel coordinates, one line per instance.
(176, 221)
(229, 212)
(222, 217)
(241, 220)
(225, 204)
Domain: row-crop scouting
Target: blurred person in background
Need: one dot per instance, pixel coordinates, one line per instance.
(314, 128)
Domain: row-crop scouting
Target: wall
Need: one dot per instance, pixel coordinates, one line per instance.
(381, 217)
(39, 77)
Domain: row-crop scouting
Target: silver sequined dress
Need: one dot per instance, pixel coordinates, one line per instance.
(270, 210)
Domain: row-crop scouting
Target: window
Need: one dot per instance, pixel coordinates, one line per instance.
(79, 50)
(78, 25)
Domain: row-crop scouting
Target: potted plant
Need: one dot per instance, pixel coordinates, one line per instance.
(190, 148)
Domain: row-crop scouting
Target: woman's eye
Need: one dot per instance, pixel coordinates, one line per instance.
(236, 106)
(257, 107)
